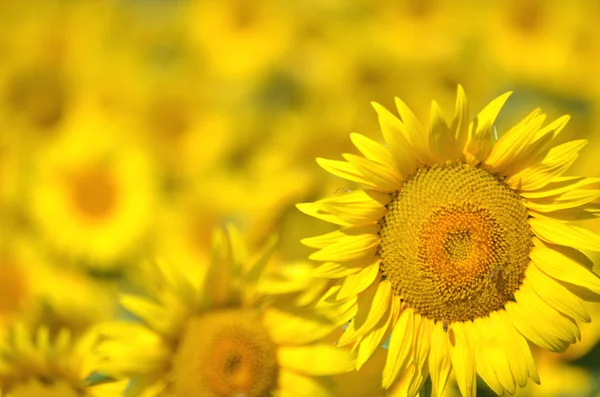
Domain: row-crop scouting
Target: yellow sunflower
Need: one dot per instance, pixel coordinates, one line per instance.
(36, 363)
(461, 248)
(93, 192)
(219, 337)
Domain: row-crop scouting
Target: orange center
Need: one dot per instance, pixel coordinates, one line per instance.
(94, 193)
(225, 353)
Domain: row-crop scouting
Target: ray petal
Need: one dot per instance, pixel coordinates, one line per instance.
(556, 232)
(399, 350)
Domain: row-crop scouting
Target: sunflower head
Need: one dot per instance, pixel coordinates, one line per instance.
(212, 331)
(460, 247)
(35, 362)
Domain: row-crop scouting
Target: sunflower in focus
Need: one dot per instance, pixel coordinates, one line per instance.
(219, 336)
(37, 363)
(462, 248)
(93, 193)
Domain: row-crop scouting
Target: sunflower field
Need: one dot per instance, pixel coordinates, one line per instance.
(234, 198)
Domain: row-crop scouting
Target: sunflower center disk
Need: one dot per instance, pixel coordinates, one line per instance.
(94, 193)
(225, 353)
(455, 242)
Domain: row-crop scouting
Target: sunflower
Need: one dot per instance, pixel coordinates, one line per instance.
(36, 363)
(37, 291)
(462, 248)
(219, 336)
(91, 196)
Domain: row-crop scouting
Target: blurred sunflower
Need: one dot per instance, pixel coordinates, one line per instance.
(458, 243)
(252, 37)
(37, 291)
(35, 363)
(533, 40)
(93, 193)
(219, 336)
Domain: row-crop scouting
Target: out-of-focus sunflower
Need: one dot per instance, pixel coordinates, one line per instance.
(461, 248)
(533, 40)
(93, 192)
(219, 336)
(416, 30)
(36, 363)
(36, 291)
(240, 41)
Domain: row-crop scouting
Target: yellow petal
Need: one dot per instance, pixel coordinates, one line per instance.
(563, 185)
(514, 142)
(517, 349)
(490, 354)
(295, 328)
(316, 360)
(372, 305)
(395, 134)
(373, 339)
(344, 170)
(558, 160)
(439, 360)
(348, 248)
(359, 207)
(463, 360)
(548, 330)
(334, 270)
(480, 141)
(556, 295)
(315, 210)
(400, 347)
(575, 198)
(356, 283)
(372, 150)
(440, 137)
(564, 268)
(459, 126)
(414, 132)
(381, 177)
(556, 232)
(292, 384)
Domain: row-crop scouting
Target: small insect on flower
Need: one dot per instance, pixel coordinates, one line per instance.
(445, 325)
(495, 273)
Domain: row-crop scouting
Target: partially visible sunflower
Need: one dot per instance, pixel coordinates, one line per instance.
(219, 337)
(36, 363)
(37, 291)
(93, 192)
(461, 248)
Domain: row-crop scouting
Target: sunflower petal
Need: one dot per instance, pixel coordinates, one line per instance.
(558, 160)
(381, 177)
(373, 150)
(463, 360)
(399, 350)
(316, 360)
(414, 132)
(396, 136)
(439, 360)
(344, 170)
(556, 295)
(293, 384)
(548, 329)
(480, 141)
(348, 248)
(556, 232)
(356, 283)
(563, 268)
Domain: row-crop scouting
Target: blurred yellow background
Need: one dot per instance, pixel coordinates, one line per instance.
(129, 129)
